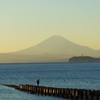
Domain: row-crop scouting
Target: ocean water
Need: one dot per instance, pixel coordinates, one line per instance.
(63, 75)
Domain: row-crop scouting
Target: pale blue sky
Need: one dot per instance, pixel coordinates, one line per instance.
(24, 23)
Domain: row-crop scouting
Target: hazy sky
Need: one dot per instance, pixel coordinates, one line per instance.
(24, 23)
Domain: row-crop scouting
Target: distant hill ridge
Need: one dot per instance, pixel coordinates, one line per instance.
(84, 59)
(53, 49)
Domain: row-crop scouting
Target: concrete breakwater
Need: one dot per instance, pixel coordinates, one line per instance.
(68, 93)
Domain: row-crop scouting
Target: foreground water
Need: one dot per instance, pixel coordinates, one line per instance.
(63, 75)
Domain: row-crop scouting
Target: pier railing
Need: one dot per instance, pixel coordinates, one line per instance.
(68, 93)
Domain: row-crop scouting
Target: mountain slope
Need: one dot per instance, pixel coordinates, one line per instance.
(52, 45)
(54, 49)
(58, 45)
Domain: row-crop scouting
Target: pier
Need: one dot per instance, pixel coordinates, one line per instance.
(68, 93)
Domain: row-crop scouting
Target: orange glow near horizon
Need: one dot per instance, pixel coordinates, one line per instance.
(26, 23)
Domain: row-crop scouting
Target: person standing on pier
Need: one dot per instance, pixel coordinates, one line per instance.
(38, 81)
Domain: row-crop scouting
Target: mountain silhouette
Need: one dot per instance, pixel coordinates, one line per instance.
(55, 48)
(52, 45)
(59, 45)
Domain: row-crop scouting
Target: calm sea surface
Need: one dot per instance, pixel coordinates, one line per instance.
(68, 75)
